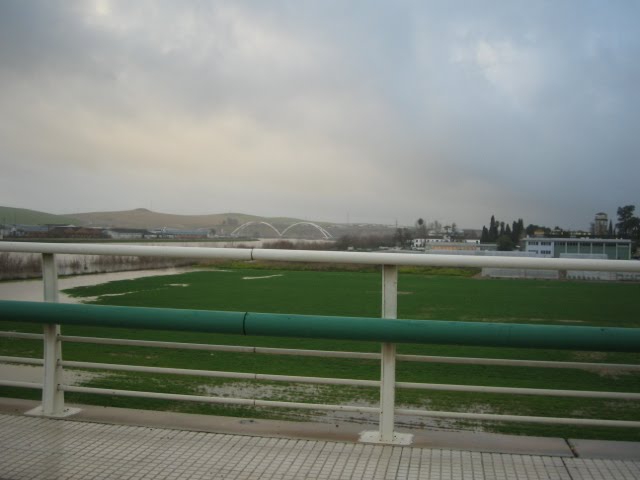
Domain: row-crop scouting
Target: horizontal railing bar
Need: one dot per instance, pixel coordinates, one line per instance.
(330, 353)
(351, 382)
(356, 355)
(157, 344)
(317, 353)
(220, 374)
(421, 259)
(218, 400)
(362, 258)
(11, 383)
(163, 370)
(26, 336)
(317, 406)
(517, 363)
(330, 327)
(519, 418)
(222, 348)
(350, 408)
(519, 391)
(22, 360)
(127, 250)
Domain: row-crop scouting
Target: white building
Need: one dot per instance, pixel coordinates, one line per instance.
(613, 248)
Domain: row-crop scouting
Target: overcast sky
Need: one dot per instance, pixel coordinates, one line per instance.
(325, 110)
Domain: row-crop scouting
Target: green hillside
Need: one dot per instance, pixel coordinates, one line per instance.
(143, 218)
(10, 215)
(138, 218)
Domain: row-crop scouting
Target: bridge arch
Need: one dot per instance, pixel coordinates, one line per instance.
(324, 233)
(241, 227)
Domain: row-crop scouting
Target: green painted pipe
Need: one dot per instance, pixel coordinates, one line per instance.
(123, 317)
(445, 332)
(314, 326)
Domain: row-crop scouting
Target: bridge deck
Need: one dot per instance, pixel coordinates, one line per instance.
(40, 448)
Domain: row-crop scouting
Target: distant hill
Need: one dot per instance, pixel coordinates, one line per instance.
(10, 215)
(143, 218)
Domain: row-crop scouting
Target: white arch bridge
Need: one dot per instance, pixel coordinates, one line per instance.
(325, 234)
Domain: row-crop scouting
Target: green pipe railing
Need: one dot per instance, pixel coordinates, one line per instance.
(317, 326)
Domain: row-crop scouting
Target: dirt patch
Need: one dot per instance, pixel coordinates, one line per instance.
(323, 394)
(31, 373)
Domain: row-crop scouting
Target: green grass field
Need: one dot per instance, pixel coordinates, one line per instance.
(349, 293)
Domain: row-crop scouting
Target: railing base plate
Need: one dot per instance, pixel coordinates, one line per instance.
(373, 436)
(67, 412)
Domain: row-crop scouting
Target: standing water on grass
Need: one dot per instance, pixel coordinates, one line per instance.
(32, 290)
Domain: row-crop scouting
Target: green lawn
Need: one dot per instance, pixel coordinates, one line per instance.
(421, 296)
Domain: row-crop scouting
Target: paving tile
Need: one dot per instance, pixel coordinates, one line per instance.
(40, 448)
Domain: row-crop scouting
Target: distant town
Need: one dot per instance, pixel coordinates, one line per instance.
(604, 239)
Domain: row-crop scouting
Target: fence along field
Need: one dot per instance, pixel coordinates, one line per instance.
(357, 293)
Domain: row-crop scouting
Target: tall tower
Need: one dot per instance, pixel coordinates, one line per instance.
(601, 224)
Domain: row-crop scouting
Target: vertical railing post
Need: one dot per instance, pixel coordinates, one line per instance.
(388, 361)
(386, 433)
(52, 396)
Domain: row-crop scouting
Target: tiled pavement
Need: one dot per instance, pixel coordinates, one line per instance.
(39, 448)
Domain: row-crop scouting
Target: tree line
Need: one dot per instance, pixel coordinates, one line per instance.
(505, 236)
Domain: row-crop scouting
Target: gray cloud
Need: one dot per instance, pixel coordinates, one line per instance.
(446, 110)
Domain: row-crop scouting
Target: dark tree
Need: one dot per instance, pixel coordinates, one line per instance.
(497, 230)
(493, 229)
(517, 231)
(484, 238)
(504, 243)
(628, 225)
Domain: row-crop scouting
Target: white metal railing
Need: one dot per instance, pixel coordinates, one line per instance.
(53, 387)
(357, 258)
(504, 362)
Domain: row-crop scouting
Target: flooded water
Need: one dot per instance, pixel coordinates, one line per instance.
(33, 290)
(14, 266)
(84, 270)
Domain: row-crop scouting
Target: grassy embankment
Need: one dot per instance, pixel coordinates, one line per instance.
(351, 293)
